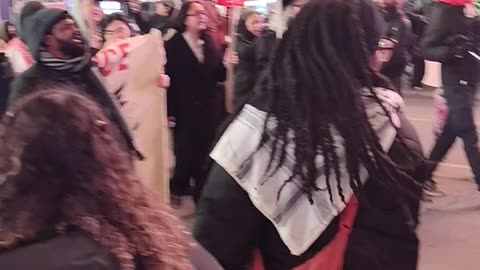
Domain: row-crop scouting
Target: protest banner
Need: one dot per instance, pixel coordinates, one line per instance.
(130, 70)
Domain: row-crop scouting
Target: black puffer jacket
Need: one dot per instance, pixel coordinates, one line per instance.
(447, 21)
(6, 77)
(399, 29)
(230, 227)
(245, 71)
(265, 47)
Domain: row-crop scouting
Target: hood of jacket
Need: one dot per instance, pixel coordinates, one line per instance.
(27, 11)
(38, 26)
(242, 27)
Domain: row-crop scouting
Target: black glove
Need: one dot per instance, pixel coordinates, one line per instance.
(459, 45)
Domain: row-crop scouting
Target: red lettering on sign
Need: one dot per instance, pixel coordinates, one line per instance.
(123, 49)
(114, 57)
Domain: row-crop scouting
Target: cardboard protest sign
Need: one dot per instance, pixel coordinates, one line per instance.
(130, 70)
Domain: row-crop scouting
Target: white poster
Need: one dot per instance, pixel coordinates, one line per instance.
(130, 70)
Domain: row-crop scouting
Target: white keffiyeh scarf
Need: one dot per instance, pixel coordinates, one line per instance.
(298, 222)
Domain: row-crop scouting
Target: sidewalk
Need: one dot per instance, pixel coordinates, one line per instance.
(450, 229)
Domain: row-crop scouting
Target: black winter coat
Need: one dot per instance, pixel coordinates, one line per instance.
(85, 82)
(254, 58)
(193, 91)
(192, 98)
(41, 77)
(245, 70)
(399, 29)
(76, 251)
(230, 227)
(447, 21)
(419, 24)
(6, 77)
(265, 47)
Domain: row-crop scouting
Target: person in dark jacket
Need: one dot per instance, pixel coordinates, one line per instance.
(163, 13)
(76, 204)
(316, 135)
(194, 66)
(250, 27)
(260, 52)
(419, 24)
(6, 77)
(398, 29)
(63, 59)
(161, 19)
(265, 45)
(7, 31)
(449, 39)
(6, 71)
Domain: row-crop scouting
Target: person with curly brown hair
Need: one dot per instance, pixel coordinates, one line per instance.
(76, 203)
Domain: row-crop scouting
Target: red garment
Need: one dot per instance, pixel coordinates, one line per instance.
(331, 257)
(456, 2)
(216, 24)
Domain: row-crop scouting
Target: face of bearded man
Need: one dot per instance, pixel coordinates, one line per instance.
(389, 7)
(66, 39)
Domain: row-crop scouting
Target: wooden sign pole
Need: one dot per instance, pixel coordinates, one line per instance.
(230, 83)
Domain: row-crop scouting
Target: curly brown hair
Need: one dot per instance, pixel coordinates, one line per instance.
(63, 169)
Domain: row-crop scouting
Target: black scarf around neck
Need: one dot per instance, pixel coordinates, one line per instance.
(72, 65)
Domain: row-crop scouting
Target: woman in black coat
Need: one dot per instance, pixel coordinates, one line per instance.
(250, 27)
(321, 130)
(194, 66)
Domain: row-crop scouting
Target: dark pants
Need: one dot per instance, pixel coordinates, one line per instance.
(418, 71)
(191, 148)
(460, 123)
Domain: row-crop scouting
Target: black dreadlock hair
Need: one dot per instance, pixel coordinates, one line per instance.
(314, 82)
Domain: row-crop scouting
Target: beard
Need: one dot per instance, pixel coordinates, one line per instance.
(72, 48)
(390, 11)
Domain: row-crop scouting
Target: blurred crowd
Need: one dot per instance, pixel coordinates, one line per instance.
(317, 166)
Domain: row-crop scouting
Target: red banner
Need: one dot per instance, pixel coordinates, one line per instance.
(230, 3)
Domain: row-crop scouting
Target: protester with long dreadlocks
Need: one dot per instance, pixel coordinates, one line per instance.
(320, 132)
